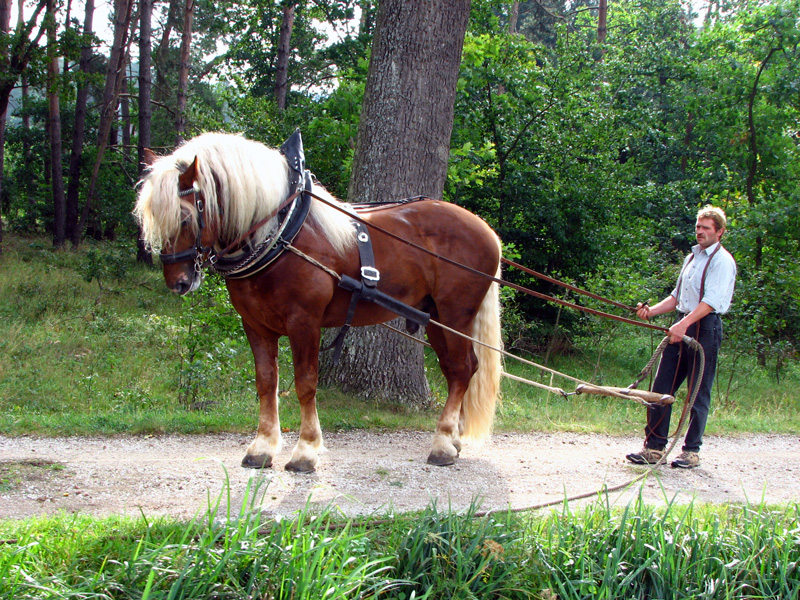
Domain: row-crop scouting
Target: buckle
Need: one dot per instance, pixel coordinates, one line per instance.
(370, 274)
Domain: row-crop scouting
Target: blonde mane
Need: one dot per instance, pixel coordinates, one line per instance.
(242, 182)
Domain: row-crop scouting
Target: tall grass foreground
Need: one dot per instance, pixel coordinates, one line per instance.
(592, 552)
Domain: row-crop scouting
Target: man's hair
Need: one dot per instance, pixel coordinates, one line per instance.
(715, 214)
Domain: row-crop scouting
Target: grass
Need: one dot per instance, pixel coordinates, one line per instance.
(92, 343)
(597, 551)
(119, 354)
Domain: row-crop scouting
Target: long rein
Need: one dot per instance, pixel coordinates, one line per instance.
(688, 340)
(682, 423)
(684, 413)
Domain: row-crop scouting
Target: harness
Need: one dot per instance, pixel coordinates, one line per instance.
(367, 290)
(240, 260)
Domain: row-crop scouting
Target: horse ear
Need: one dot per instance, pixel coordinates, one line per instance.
(149, 157)
(187, 178)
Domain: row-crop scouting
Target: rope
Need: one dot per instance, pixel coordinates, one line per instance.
(603, 490)
(555, 390)
(486, 275)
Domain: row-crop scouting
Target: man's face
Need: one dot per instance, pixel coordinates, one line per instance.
(707, 233)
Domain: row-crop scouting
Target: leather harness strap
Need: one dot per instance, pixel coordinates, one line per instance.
(367, 290)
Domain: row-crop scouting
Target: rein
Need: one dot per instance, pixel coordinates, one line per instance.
(501, 281)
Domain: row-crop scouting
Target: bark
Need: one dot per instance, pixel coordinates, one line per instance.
(183, 71)
(54, 119)
(602, 15)
(284, 49)
(5, 28)
(114, 77)
(79, 128)
(145, 106)
(125, 123)
(402, 150)
(513, 18)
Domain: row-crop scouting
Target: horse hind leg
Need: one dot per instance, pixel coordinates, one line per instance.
(473, 374)
(458, 363)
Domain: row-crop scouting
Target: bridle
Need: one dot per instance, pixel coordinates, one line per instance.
(207, 255)
(198, 252)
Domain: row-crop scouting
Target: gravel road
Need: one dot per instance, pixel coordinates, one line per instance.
(374, 473)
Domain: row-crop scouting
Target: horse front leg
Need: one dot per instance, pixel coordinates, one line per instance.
(267, 443)
(305, 354)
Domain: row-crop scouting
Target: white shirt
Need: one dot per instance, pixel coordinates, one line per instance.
(719, 281)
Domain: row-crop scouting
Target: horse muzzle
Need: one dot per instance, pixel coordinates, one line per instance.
(186, 283)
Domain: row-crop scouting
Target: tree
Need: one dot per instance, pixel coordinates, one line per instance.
(402, 150)
(284, 48)
(113, 86)
(183, 70)
(54, 127)
(145, 108)
(79, 128)
(16, 49)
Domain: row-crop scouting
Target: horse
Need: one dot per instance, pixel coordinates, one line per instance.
(221, 191)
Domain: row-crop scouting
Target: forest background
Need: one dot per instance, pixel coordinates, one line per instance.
(586, 135)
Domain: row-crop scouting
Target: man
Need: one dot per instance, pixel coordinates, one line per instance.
(703, 293)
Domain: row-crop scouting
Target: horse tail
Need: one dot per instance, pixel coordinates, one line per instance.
(478, 404)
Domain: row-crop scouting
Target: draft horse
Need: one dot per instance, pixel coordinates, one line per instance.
(221, 194)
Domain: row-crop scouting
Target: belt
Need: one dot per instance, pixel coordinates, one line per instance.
(681, 315)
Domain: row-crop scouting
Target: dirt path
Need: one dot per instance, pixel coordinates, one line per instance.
(365, 473)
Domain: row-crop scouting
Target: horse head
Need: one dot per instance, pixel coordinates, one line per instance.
(184, 255)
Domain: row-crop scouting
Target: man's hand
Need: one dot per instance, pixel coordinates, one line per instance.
(643, 311)
(677, 331)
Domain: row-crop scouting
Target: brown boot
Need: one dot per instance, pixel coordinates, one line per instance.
(687, 460)
(646, 456)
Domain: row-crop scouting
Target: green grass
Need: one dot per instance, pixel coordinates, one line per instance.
(120, 354)
(594, 552)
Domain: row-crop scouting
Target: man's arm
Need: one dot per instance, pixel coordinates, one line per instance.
(678, 330)
(645, 312)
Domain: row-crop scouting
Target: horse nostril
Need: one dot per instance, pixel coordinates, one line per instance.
(181, 287)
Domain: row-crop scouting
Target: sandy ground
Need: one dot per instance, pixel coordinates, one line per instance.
(374, 473)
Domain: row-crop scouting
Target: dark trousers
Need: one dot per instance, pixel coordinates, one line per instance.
(678, 363)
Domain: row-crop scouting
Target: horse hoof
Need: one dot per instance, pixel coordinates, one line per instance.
(301, 466)
(440, 459)
(257, 462)
(457, 446)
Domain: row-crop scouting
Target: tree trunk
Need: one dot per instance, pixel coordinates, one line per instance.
(54, 118)
(602, 17)
(125, 121)
(79, 130)
(513, 18)
(402, 150)
(145, 108)
(284, 49)
(183, 71)
(5, 28)
(114, 77)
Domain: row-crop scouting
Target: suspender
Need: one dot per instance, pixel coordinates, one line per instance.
(702, 277)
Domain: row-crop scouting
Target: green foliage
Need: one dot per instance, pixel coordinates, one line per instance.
(637, 551)
(450, 555)
(210, 338)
